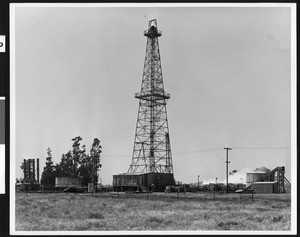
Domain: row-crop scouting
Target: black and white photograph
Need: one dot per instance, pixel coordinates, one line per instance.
(174, 118)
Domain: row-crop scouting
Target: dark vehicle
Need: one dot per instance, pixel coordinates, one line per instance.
(73, 189)
(170, 189)
(175, 189)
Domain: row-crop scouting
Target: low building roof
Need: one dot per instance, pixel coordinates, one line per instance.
(267, 182)
(135, 173)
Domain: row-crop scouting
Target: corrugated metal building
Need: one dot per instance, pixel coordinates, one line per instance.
(253, 177)
(142, 181)
(64, 182)
(265, 187)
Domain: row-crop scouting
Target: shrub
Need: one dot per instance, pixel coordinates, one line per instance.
(277, 218)
(96, 215)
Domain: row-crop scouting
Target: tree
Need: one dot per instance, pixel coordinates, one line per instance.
(76, 163)
(76, 155)
(90, 164)
(65, 167)
(48, 175)
(95, 159)
(85, 170)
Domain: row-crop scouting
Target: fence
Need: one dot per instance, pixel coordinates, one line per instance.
(185, 196)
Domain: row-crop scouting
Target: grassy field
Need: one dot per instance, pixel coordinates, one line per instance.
(134, 212)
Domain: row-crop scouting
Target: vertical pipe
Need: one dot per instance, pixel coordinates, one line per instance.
(38, 170)
(29, 169)
(33, 170)
(24, 169)
(226, 170)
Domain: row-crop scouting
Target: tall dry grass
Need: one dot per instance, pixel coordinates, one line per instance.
(192, 211)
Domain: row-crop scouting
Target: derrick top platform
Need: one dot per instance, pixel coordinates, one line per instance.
(152, 31)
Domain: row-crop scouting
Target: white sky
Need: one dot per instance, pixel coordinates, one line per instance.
(228, 71)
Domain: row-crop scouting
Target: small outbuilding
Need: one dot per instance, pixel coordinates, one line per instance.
(149, 181)
(65, 182)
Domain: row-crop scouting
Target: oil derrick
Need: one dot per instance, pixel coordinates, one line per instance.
(152, 150)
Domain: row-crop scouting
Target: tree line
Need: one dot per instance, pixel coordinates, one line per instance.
(75, 163)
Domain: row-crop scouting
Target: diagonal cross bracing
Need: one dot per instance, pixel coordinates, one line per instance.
(151, 151)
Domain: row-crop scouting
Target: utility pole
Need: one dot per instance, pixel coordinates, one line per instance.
(227, 148)
(198, 181)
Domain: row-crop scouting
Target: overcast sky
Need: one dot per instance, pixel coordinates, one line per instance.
(228, 71)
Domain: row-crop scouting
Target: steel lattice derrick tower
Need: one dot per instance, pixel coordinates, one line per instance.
(152, 150)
